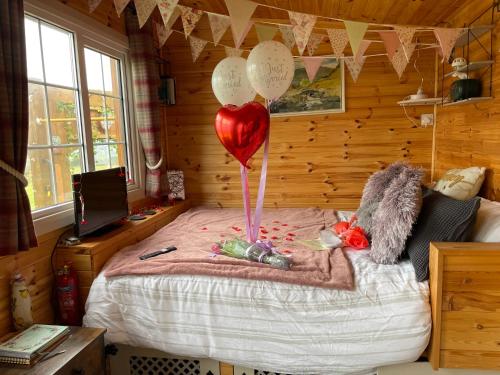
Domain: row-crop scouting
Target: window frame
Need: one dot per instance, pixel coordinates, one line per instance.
(88, 33)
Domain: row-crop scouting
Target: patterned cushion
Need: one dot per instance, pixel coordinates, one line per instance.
(461, 184)
(442, 219)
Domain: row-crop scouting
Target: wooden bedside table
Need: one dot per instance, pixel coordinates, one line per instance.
(84, 356)
(465, 300)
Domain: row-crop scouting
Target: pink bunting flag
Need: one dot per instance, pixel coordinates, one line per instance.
(391, 42)
(354, 67)
(197, 45)
(162, 33)
(399, 61)
(167, 10)
(314, 42)
(241, 12)
(218, 24)
(144, 8)
(405, 35)
(302, 25)
(361, 50)
(120, 6)
(93, 4)
(287, 35)
(447, 39)
(230, 51)
(190, 18)
(338, 41)
(312, 65)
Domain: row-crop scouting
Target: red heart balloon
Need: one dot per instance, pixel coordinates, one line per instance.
(242, 130)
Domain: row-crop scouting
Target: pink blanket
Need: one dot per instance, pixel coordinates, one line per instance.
(293, 231)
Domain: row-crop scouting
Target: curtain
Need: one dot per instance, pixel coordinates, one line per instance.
(145, 76)
(16, 225)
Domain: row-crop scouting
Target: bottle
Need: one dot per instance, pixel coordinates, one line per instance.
(21, 303)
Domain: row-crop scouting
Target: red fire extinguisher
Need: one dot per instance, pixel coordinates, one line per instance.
(67, 296)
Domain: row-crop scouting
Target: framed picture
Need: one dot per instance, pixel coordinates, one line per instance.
(323, 95)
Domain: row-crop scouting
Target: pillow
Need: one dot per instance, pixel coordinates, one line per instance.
(487, 227)
(395, 216)
(442, 219)
(461, 184)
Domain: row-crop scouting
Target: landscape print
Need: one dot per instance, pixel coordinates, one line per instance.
(324, 94)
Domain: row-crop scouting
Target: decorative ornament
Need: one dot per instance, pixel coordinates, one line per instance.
(162, 33)
(120, 6)
(93, 4)
(230, 51)
(240, 12)
(197, 45)
(313, 43)
(312, 65)
(190, 18)
(287, 35)
(167, 10)
(399, 61)
(338, 40)
(230, 82)
(391, 42)
(447, 39)
(218, 24)
(405, 35)
(354, 67)
(355, 31)
(361, 50)
(270, 69)
(144, 9)
(265, 32)
(302, 25)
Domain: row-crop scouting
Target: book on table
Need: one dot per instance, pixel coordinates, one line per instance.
(28, 346)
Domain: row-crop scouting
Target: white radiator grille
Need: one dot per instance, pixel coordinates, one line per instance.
(163, 366)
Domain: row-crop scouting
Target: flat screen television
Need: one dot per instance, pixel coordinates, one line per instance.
(100, 199)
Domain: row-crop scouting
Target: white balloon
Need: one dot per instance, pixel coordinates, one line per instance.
(230, 82)
(270, 69)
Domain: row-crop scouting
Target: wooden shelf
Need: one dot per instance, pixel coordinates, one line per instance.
(477, 31)
(474, 65)
(467, 101)
(414, 102)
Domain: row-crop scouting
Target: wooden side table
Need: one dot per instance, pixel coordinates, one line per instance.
(84, 356)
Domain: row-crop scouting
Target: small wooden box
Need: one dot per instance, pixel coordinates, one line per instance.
(465, 300)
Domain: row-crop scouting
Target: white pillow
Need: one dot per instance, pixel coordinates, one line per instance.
(461, 184)
(487, 226)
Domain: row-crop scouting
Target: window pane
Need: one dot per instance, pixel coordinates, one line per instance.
(101, 157)
(93, 69)
(67, 161)
(58, 56)
(98, 118)
(115, 120)
(33, 53)
(111, 70)
(118, 155)
(39, 175)
(63, 112)
(39, 128)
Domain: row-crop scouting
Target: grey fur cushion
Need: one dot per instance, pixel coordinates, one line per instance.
(395, 215)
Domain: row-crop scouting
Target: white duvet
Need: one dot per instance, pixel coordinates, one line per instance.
(271, 326)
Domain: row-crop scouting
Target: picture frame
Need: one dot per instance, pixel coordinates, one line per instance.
(325, 94)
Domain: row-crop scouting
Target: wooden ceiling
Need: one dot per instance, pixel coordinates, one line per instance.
(410, 12)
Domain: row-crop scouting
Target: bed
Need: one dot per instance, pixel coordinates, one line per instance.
(270, 325)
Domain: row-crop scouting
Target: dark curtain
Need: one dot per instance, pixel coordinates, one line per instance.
(16, 225)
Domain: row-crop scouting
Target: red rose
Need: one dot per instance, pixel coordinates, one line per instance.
(341, 227)
(355, 239)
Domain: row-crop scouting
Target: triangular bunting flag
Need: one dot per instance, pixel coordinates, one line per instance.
(230, 51)
(302, 25)
(190, 18)
(338, 40)
(354, 67)
(399, 61)
(197, 46)
(265, 32)
(218, 24)
(312, 65)
(409, 50)
(243, 36)
(287, 35)
(361, 50)
(313, 43)
(93, 4)
(447, 39)
(240, 12)
(356, 32)
(144, 8)
(391, 42)
(120, 6)
(405, 35)
(167, 9)
(162, 33)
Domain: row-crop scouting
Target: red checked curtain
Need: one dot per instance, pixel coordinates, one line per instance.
(16, 225)
(145, 83)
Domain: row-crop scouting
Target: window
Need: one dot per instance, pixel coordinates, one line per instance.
(78, 113)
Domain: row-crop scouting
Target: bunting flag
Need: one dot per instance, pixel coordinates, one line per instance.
(230, 51)
(399, 61)
(167, 9)
(391, 42)
(338, 40)
(173, 17)
(197, 46)
(218, 24)
(361, 50)
(163, 33)
(312, 65)
(240, 12)
(354, 67)
(120, 6)
(447, 39)
(313, 43)
(302, 25)
(409, 51)
(265, 32)
(355, 31)
(144, 8)
(287, 35)
(405, 35)
(93, 4)
(190, 18)
(237, 43)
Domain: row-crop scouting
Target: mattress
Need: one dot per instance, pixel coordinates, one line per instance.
(269, 325)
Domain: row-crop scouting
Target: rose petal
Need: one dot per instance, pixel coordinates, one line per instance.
(284, 225)
(276, 221)
(276, 228)
(263, 237)
(291, 234)
(264, 231)
(274, 238)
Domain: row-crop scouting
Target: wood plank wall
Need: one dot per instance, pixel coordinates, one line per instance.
(469, 135)
(320, 160)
